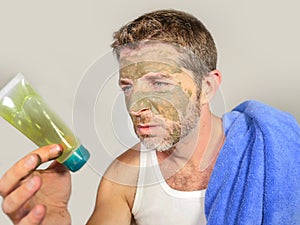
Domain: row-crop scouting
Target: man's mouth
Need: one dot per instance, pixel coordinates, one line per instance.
(146, 129)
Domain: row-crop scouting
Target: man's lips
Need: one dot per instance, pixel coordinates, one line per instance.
(146, 129)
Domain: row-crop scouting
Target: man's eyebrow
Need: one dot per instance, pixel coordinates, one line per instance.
(157, 75)
(124, 81)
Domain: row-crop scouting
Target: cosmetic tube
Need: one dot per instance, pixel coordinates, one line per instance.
(25, 109)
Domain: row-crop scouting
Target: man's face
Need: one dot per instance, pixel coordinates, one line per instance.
(160, 95)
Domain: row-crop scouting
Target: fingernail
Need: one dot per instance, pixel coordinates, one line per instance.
(31, 183)
(55, 150)
(30, 162)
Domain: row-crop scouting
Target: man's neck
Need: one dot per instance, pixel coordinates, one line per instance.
(199, 149)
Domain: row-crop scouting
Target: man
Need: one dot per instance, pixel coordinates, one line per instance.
(245, 164)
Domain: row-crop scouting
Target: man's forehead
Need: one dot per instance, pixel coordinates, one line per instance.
(139, 69)
(159, 52)
(152, 57)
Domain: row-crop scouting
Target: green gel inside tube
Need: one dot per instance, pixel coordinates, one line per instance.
(25, 109)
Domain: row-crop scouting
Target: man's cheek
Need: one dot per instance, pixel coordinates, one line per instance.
(157, 106)
(165, 109)
(170, 104)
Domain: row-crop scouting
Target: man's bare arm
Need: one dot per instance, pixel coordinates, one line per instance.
(116, 191)
(111, 206)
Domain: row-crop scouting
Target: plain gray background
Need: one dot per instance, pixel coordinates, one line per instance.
(54, 43)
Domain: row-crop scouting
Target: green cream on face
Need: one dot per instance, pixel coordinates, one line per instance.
(166, 103)
(169, 102)
(153, 79)
(137, 70)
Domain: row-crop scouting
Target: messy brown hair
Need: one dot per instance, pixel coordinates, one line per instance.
(174, 27)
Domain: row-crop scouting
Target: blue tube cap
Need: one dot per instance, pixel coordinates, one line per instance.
(78, 158)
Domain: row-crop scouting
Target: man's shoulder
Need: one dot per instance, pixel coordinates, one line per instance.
(125, 168)
(130, 156)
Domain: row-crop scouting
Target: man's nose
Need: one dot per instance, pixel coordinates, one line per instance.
(139, 112)
(140, 106)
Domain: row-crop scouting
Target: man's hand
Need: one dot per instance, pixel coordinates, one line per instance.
(32, 196)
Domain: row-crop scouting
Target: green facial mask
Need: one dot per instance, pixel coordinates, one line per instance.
(137, 70)
(167, 102)
(153, 79)
(170, 104)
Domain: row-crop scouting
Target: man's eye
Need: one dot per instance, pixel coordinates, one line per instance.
(126, 89)
(160, 84)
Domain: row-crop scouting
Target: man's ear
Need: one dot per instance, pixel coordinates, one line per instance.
(210, 85)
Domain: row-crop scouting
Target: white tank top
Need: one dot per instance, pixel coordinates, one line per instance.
(156, 203)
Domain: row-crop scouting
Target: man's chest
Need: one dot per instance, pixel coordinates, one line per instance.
(189, 178)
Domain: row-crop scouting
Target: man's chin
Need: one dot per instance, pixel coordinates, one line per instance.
(157, 144)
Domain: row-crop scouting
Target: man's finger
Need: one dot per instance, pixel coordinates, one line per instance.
(49, 152)
(35, 216)
(16, 199)
(11, 179)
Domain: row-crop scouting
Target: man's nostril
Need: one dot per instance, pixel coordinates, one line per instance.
(138, 112)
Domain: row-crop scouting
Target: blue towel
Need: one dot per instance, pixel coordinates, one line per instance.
(256, 179)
